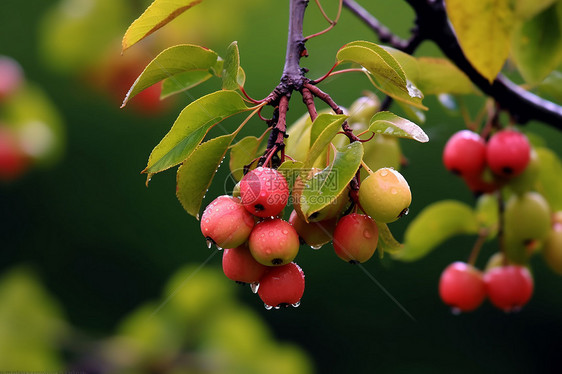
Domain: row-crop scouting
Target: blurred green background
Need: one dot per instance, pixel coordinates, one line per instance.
(101, 247)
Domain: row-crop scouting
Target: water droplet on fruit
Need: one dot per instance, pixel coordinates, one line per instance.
(219, 248)
(393, 191)
(285, 232)
(277, 307)
(455, 311)
(209, 243)
(384, 173)
(316, 246)
(367, 234)
(296, 305)
(254, 287)
(268, 307)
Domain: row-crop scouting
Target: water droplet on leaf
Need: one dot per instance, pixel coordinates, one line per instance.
(254, 287)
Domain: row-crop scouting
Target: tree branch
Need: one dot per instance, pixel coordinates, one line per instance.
(432, 24)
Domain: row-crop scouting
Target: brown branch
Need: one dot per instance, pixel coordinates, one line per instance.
(308, 100)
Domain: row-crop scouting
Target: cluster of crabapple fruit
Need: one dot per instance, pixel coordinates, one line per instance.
(260, 246)
(506, 155)
(528, 224)
(464, 288)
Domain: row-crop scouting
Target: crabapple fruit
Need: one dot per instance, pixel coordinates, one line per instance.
(461, 286)
(385, 195)
(479, 185)
(509, 287)
(315, 234)
(282, 286)
(264, 192)
(355, 238)
(552, 250)
(527, 217)
(274, 242)
(226, 222)
(508, 153)
(239, 265)
(465, 153)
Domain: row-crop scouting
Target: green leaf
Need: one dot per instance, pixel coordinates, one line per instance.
(158, 14)
(537, 44)
(384, 71)
(291, 170)
(483, 29)
(324, 187)
(434, 225)
(525, 9)
(432, 75)
(196, 173)
(323, 130)
(387, 242)
(232, 74)
(550, 178)
(190, 128)
(390, 124)
(439, 75)
(241, 154)
(174, 60)
(183, 82)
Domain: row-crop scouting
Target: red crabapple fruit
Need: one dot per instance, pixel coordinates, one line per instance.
(282, 286)
(465, 153)
(239, 265)
(226, 222)
(356, 238)
(274, 242)
(462, 287)
(264, 192)
(509, 287)
(315, 234)
(508, 153)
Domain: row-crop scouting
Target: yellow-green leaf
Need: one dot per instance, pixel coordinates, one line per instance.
(158, 14)
(197, 172)
(190, 128)
(325, 186)
(174, 60)
(550, 178)
(483, 29)
(241, 154)
(434, 225)
(384, 71)
(323, 130)
(232, 75)
(387, 123)
(537, 44)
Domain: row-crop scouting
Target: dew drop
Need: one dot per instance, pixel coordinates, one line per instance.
(367, 234)
(285, 232)
(267, 307)
(316, 246)
(277, 307)
(207, 220)
(219, 248)
(209, 243)
(393, 191)
(456, 311)
(384, 173)
(254, 287)
(296, 305)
